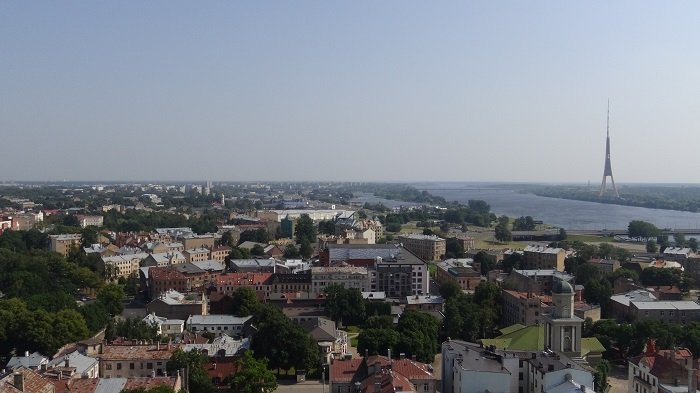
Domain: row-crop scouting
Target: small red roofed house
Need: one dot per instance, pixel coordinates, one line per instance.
(654, 369)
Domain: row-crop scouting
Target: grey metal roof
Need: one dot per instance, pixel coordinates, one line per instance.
(217, 320)
(75, 359)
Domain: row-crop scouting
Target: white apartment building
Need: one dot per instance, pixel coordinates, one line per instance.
(219, 324)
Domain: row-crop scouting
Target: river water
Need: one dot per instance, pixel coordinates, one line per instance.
(564, 213)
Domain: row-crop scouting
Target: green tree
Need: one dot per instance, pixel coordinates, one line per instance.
(502, 232)
(327, 227)
(418, 333)
(194, 361)
(305, 229)
(692, 243)
(227, 239)
(291, 252)
(453, 248)
(486, 261)
(111, 296)
(679, 240)
(652, 246)
(377, 341)
(257, 250)
(245, 302)
(642, 229)
(449, 290)
(379, 322)
(253, 376)
(600, 378)
(305, 249)
(344, 306)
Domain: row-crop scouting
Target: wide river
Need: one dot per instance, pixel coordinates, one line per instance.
(564, 213)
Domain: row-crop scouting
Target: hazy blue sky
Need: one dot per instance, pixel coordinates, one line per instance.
(356, 90)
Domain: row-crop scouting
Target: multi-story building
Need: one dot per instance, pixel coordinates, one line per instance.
(467, 242)
(536, 281)
(87, 221)
(620, 304)
(289, 286)
(197, 241)
(196, 254)
(259, 282)
(459, 271)
(521, 308)
(679, 311)
(163, 279)
(315, 215)
(253, 265)
(404, 274)
(176, 305)
(678, 254)
(426, 303)
(219, 253)
(381, 373)
(475, 368)
(662, 370)
(165, 259)
(425, 247)
(219, 325)
(122, 265)
(347, 276)
(62, 244)
(356, 254)
(541, 257)
(125, 361)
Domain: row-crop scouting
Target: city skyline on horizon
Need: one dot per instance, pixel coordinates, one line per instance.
(392, 92)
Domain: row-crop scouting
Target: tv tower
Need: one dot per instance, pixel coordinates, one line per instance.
(608, 168)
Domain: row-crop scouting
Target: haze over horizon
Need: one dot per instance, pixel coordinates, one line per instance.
(332, 91)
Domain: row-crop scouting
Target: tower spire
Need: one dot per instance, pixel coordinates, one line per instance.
(608, 167)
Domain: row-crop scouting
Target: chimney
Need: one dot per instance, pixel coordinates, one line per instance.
(19, 381)
(158, 346)
(377, 387)
(66, 361)
(388, 353)
(583, 388)
(26, 354)
(691, 380)
(414, 357)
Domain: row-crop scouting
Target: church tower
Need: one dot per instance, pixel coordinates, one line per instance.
(562, 329)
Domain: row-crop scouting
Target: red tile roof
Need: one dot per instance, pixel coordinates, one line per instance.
(345, 370)
(33, 383)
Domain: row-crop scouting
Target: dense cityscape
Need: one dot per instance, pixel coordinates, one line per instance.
(349, 197)
(269, 286)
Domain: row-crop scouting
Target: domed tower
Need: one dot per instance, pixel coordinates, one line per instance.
(562, 329)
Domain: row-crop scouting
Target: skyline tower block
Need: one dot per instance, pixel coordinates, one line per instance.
(608, 167)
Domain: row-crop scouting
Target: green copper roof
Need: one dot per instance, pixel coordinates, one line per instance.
(519, 337)
(591, 344)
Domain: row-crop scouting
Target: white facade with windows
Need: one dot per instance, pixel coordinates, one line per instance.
(219, 325)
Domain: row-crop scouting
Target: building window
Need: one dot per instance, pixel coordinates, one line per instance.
(108, 366)
(131, 366)
(149, 366)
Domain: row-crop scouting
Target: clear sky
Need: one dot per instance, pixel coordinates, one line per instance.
(354, 90)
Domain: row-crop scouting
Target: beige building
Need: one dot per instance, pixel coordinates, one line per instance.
(126, 361)
(63, 243)
(219, 253)
(122, 265)
(425, 247)
(197, 241)
(196, 255)
(540, 257)
(88, 221)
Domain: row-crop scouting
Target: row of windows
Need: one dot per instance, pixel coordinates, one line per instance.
(132, 366)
